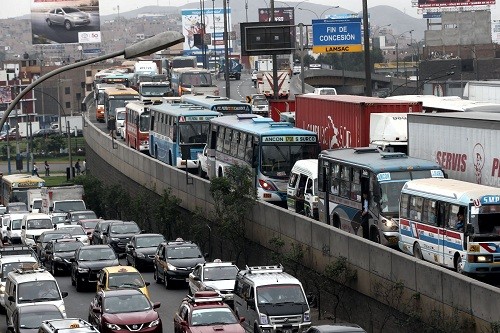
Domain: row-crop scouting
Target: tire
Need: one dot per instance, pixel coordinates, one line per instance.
(53, 269)
(73, 283)
(78, 284)
(156, 276)
(166, 281)
(457, 261)
(417, 251)
(49, 22)
(67, 25)
(375, 235)
(201, 173)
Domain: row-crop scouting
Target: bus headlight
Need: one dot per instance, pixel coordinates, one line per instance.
(263, 319)
(484, 258)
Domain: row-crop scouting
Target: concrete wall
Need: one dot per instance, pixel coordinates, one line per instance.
(432, 287)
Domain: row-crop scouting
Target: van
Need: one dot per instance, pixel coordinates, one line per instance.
(14, 228)
(32, 227)
(325, 91)
(30, 285)
(302, 189)
(271, 300)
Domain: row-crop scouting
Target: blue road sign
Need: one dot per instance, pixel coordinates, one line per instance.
(343, 35)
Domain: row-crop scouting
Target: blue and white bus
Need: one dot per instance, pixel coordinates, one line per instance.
(344, 174)
(178, 132)
(269, 148)
(224, 105)
(451, 223)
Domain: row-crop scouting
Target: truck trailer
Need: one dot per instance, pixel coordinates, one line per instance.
(483, 91)
(465, 144)
(62, 199)
(343, 121)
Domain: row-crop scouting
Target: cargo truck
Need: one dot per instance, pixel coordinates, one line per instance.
(343, 121)
(465, 144)
(34, 197)
(265, 85)
(62, 199)
(388, 132)
(234, 69)
(483, 91)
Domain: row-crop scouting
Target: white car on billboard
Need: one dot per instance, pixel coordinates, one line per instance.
(69, 17)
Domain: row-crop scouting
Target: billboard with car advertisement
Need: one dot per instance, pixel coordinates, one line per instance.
(65, 21)
(453, 3)
(212, 25)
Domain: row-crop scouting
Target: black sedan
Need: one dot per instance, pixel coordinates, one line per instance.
(45, 238)
(141, 250)
(60, 253)
(44, 132)
(88, 262)
(28, 318)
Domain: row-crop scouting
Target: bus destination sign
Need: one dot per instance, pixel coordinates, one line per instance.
(195, 118)
(289, 138)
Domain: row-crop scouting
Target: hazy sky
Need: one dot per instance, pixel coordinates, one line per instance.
(22, 7)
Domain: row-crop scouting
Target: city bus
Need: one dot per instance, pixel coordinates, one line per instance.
(451, 223)
(269, 148)
(99, 99)
(137, 126)
(14, 188)
(117, 78)
(178, 132)
(224, 105)
(117, 97)
(345, 174)
(191, 81)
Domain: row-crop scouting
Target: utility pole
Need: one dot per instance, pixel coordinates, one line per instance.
(275, 62)
(226, 51)
(368, 72)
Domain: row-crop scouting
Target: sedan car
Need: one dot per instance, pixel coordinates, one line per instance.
(44, 132)
(89, 225)
(97, 234)
(141, 250)
(122, 277)
(59, 254)
(204, 313)
(45, 238)
(77, 215)
(28, 318)
(217, 275)
(88, 262)
(118, 234)
(124, 309)
(69, 17)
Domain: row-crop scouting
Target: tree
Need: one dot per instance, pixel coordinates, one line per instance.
(234, 195)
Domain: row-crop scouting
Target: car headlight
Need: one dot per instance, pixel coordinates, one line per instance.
(83, 270)
(485, 258)
(140, 255)
(154, 323)
(263, 319)
(113, 327)
(57, 259)
(307, 316)
(2, 289)
(171, 267)
(114, 239)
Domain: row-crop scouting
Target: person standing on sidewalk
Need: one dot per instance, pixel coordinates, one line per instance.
(47, 169)
(35, 170)
(77, 167)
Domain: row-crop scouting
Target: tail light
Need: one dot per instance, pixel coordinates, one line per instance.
(267, 186)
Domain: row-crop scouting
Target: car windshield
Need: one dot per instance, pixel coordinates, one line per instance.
(124, 229)
(83, 216)
(120, 116)
(89, 224)
(68, 206)
(214, 316)
(71, 10)
(96, 254)
(279, 294)
(58, 219)
(152, 241)
(126, 303)
(17, 207)
(45, 238)
(103, 226)
(75, 231)
(33, 320)
(183, 252)
(10, 266)
(67, 246)
(16, 224)
(40, 224)
(36, 291)
(125, 280)
(220, 273)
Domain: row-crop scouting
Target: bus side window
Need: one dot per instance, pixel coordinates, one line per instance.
(443, 215)
(404, 205)
(429, 214)
(345, 186)
(416, 208)
(356, 186)
(334, 176)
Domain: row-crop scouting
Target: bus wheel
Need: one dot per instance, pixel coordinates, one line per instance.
(220, 173)
(417, 252)
(156, 152)
(458, 263)
(336, 221)
(375, 235)
(170, 159)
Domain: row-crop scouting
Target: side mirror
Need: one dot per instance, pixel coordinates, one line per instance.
(48, 252)
(130, 246)
(184, 323)
(105, 233)
(72, 259)
(11, 299)
(96, 309)
(8, 228)
(156, 305)
(23, 227)
(64, 294)
(242, 319)
(147, 284)
(251, 303)
(196, 278)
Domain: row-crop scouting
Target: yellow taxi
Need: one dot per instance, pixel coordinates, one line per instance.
(121, 277)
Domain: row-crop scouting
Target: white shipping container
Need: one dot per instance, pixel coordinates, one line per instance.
(465, 144)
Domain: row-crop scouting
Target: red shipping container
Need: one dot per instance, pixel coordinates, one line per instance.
(343, 121)
(276, 106)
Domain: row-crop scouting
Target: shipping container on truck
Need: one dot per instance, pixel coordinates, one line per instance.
(484, 91)
(465, 144)
(343, 121)
(278, 106)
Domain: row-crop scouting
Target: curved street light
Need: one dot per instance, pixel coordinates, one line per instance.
(396, 41)
(318, 16)
(156, 43)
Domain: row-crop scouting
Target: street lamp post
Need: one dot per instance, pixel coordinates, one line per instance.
(320, 15)
(396, 41)
(156, 43)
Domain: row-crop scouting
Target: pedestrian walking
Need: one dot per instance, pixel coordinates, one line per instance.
(35, 170)
(47, 169)
(77, 167)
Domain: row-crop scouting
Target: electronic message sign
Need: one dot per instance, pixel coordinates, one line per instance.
(332, 36)
(452, 3)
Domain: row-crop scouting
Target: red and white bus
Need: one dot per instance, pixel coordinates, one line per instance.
(137, 125)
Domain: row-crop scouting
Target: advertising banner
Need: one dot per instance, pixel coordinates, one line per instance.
(495, 31)
(213, 19)
(65, 21)
(5, 94)
(453, 3)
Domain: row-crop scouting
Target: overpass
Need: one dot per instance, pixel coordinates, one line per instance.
(429, 288)
(353, 83)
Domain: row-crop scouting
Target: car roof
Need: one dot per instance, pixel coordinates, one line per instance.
(148, 235)
(339, 328)
(96, 247)
(40, 307)
(218, 263)
(31, 275)
(205, 299)
(81, 211)
(123, 222)
(18, 258)
(120, 269)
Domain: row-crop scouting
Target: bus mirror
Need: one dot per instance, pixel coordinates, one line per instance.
(469, 229)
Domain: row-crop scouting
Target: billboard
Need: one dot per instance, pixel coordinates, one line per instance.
(213, 24)
(495, 31)
(332, 36)
(266, 38)
(5, 94)
(453, 3)
(281, 14)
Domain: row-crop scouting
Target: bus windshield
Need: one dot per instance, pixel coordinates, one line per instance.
(154, 90)
(196, 79)
(193, 132)
(277, 160)
(119, 103)
(486, 223)
(100, 97)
